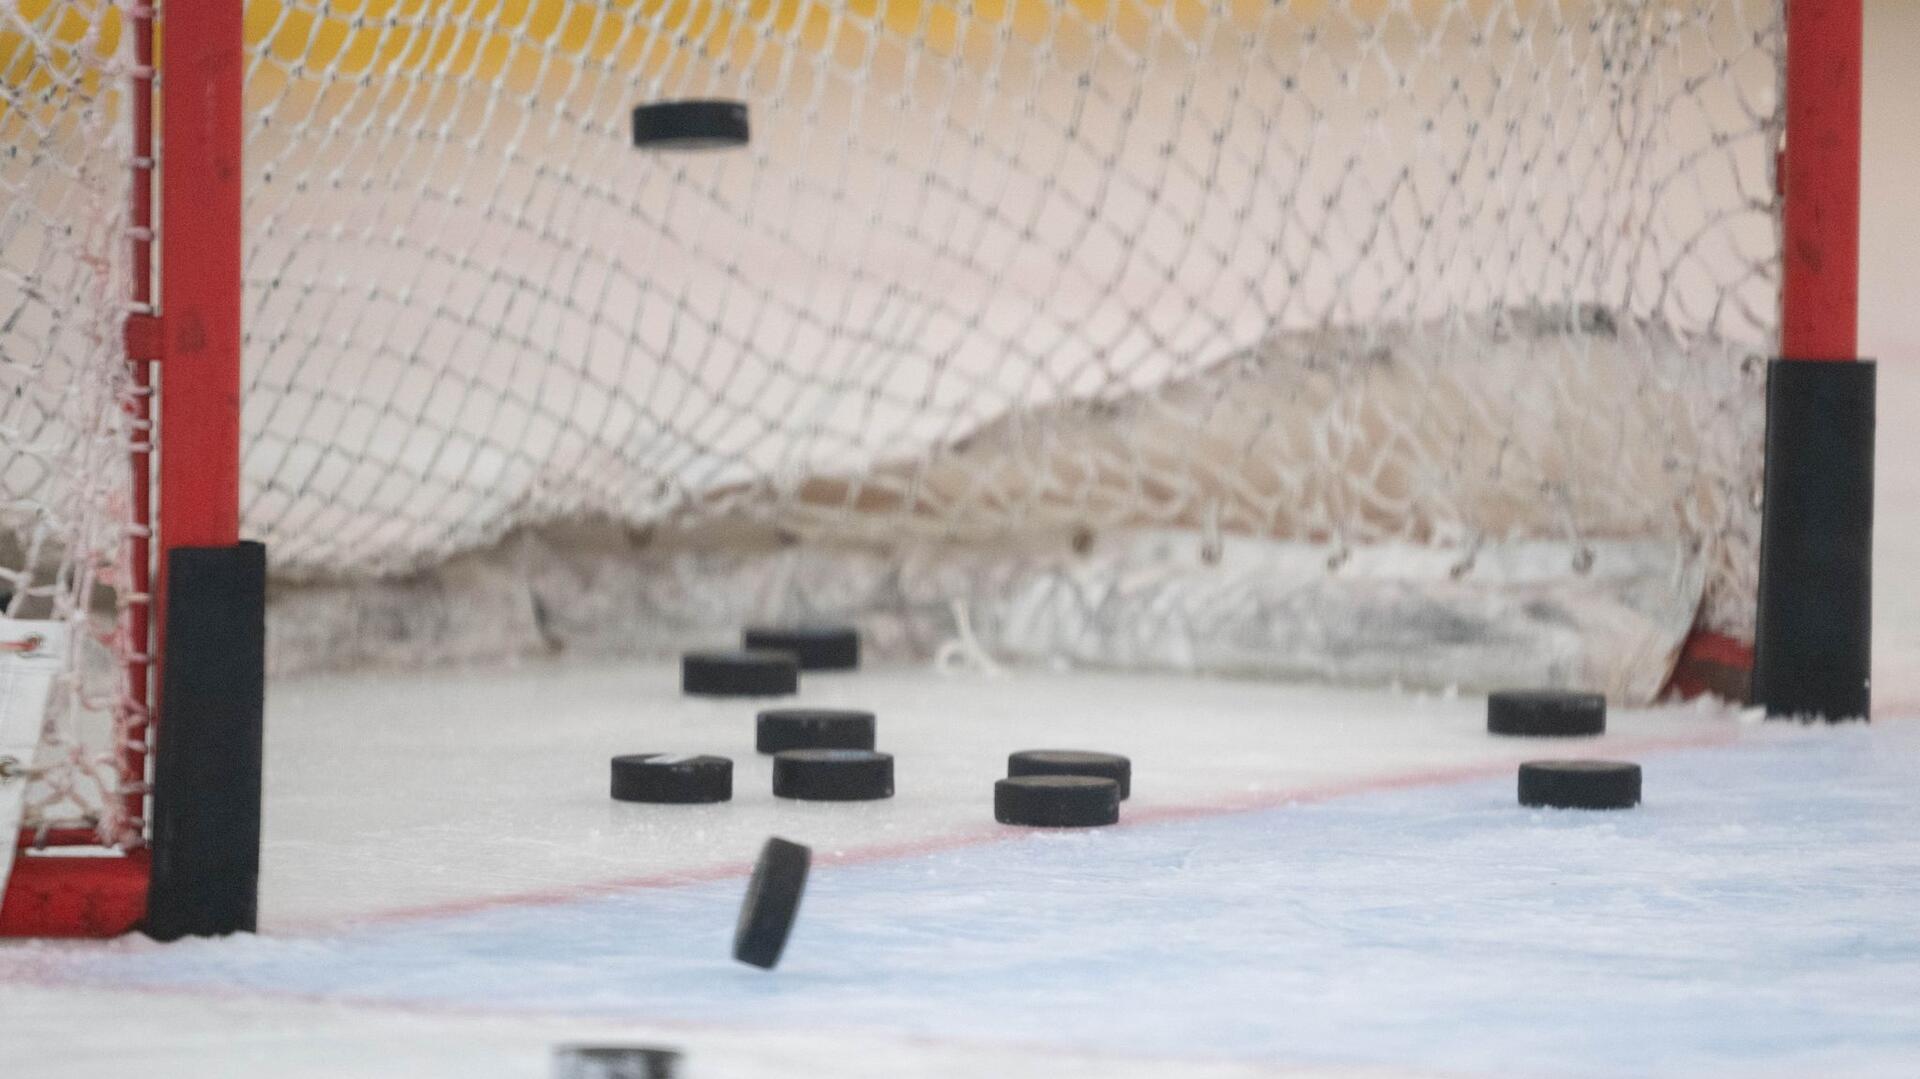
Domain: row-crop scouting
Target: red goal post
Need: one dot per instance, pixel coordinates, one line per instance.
(193, 340)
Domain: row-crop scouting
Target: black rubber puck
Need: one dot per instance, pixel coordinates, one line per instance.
(773, 898)
(1580, 784)
(739, 674)
(817, 648)
(832, 775)
(615, 1062)
(672, 778)
(1546, 713)
(1073, 762)
(781, 729)
(690, 125)
(1056, 801)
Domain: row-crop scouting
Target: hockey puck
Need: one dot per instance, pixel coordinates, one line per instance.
(773, 898)
(1073, 762)
(739, 674)
(1580, 784)
(781, 729)
(614, 1062)
(815, 648)
(690, 125)
(832, 775)
(672, 778)
(1546, 713)
(1056, 801)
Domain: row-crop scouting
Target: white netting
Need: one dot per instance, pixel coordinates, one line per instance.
(473, 305)
(1432, 274)
(66, 397)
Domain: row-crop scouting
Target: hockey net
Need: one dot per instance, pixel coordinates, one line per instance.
(1297, 338)
(71, 410)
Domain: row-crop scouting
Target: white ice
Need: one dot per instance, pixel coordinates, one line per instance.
(1307, 881)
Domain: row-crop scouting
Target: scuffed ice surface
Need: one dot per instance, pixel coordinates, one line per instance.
(1756, 917)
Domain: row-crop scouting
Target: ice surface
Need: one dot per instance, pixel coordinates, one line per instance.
(396, 796)
(1754, 918)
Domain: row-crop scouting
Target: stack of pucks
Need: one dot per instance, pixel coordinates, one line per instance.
(1073, 762)
(1056, 801)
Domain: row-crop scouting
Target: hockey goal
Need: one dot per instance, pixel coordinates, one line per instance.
(1396, 341)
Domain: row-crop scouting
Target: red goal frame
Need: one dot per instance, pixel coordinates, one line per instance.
(193, 337)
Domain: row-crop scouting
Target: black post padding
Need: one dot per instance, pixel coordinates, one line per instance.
(1813, 640)
(207, 750)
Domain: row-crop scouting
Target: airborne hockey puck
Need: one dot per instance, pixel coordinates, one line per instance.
(672, 778)
(1073, 762)
(773, 898)
(739, 674)
(690, 125)
(614, 1062)
(1580, 784)
(815, 648)
(1056, 801)
(813, 728)
(832, 775)
(1546, 713)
